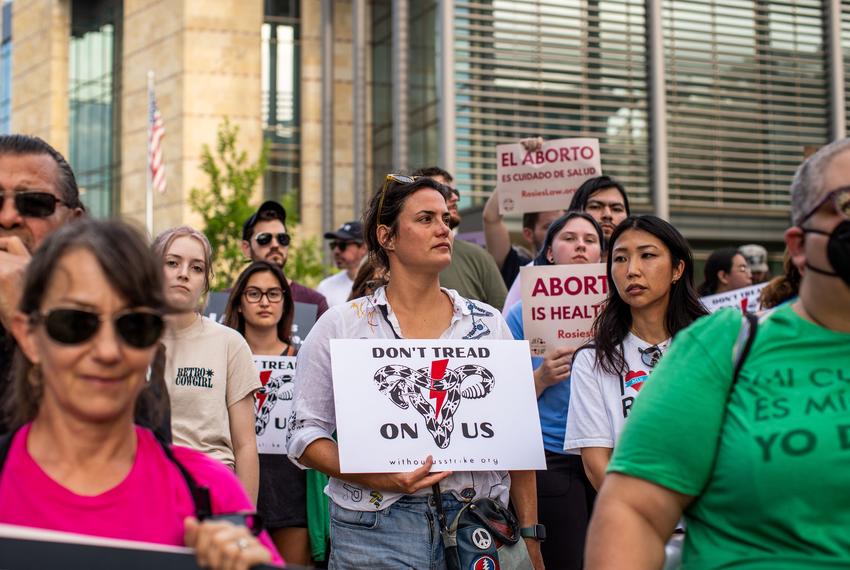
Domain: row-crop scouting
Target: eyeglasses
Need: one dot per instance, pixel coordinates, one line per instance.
(341, 245)
(265, 238)
(398, 179)
(841, 200)
(253, 295)
(35, 204)
(650, 355)
(139, 329)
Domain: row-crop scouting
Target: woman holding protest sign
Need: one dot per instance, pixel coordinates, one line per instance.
(652, 298)
(87, 329)
(261, 308)
(564, 495)
(209, 372)
(390, 520)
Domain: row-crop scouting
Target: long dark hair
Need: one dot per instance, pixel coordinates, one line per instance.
(112, 243)
(386, 213)
(614, 321)
(234, 318)
(555, 228)
(719, 260)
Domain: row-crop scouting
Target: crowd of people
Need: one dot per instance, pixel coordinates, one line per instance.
(128, 414)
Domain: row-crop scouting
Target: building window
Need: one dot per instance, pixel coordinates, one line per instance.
(746, 95)
(575, 68)
(6, 69)
(382, 88)
(94, 113)
(281, 117)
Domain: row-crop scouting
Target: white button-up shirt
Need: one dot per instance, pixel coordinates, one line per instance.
(313, 416)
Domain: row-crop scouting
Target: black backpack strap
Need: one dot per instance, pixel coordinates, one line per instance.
(200, 494)
(746, 337)
(5, 446)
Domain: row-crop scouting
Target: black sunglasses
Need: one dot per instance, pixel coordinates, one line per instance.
(265, 238)
(139, 329)
(35, 204)
(650, 355)
(341, 245)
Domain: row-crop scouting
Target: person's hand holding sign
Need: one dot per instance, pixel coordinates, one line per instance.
(556, 366)
(407, 483)
(222, 544)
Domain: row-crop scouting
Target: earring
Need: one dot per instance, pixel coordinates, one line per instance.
(34, 376)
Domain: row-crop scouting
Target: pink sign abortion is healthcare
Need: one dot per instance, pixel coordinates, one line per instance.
(545, 179)
(560, 302)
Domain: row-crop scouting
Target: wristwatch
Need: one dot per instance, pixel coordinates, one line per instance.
(537, 532)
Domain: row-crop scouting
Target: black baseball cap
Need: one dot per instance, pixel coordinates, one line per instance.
(349, 231)
(268, 206)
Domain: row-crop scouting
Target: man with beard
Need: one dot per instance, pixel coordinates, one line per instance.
(348, 249)
(473, 273)
(264, 238)
(38, 194)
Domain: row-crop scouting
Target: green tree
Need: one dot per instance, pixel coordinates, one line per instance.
(227, 201)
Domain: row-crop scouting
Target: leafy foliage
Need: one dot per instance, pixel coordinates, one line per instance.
(227, 201)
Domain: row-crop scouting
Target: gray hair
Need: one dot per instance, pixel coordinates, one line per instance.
(66, 183)
(807, 188)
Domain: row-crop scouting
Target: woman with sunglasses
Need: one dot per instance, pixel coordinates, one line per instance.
(652, 298)
(87, 329)
(390, 520)
(260, 307)
(562, 489)
(747, 434)
(209, 371)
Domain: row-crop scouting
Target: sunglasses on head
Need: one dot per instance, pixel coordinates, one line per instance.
(265, 238)
(841, 200)
(398, 179)
(137, 328)
(35, 204)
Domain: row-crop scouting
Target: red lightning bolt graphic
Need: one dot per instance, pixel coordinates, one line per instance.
(438, 370)
(264, 379)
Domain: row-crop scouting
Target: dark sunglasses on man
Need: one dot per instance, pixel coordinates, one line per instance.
(35, 204)
(137, 328)
(265, 238)
(341, 245)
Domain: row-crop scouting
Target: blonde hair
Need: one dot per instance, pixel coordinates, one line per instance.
(164, 240)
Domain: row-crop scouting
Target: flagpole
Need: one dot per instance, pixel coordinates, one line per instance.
(148, 177)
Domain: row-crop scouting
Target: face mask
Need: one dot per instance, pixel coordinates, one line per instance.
(837, 251)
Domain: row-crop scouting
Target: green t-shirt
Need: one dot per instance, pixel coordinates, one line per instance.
(771, 470)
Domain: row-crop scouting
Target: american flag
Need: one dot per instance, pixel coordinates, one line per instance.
(156, 131)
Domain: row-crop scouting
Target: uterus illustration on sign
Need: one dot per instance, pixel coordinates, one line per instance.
(435, 392)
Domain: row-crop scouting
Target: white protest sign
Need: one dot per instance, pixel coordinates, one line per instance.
(273, 402)
(560, 302)
(469, 404)
(544, 179)
(746, 299)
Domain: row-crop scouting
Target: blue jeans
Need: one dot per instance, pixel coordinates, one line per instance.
(404, 535)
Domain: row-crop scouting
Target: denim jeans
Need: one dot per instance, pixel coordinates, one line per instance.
(404, 535)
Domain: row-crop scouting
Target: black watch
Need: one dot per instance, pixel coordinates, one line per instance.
(537, 532)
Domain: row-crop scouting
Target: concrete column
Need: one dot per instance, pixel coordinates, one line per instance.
(399, 66)
(358, 24)
(835, 58)
(446, 82)
(41, 40)
(327, 115)
(657, 111)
